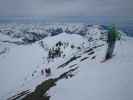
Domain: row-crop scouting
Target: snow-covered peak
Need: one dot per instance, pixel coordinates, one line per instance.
(26, 51)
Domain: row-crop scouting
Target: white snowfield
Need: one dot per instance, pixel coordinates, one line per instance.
(111, 80)
(21, 67)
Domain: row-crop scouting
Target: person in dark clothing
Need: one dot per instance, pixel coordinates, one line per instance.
(113, 35)
(42, 72)
(47, 71)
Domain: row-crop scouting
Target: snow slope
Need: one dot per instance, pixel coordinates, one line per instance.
(21, 66)
(16, 65)
(111, 80)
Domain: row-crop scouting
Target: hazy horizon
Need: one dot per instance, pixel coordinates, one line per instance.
(124, 23)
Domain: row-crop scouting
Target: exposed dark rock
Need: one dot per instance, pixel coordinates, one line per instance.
(40, 92)
(72, 65)
(91, 53)
(93, 57)
(84, 59)
(70, 60)
(72, 46)
(89, 50)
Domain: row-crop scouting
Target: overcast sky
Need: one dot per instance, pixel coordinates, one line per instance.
(66, 8)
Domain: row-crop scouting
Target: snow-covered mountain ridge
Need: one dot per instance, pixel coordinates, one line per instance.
(31, 33)
(81, 47)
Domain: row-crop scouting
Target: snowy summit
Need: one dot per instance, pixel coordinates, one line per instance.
(63, 62)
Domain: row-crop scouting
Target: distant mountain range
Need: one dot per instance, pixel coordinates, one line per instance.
(123, 23)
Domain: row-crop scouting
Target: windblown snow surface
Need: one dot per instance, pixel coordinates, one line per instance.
(21, 67)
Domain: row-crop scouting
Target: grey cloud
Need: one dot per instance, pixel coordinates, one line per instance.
(66, 7)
